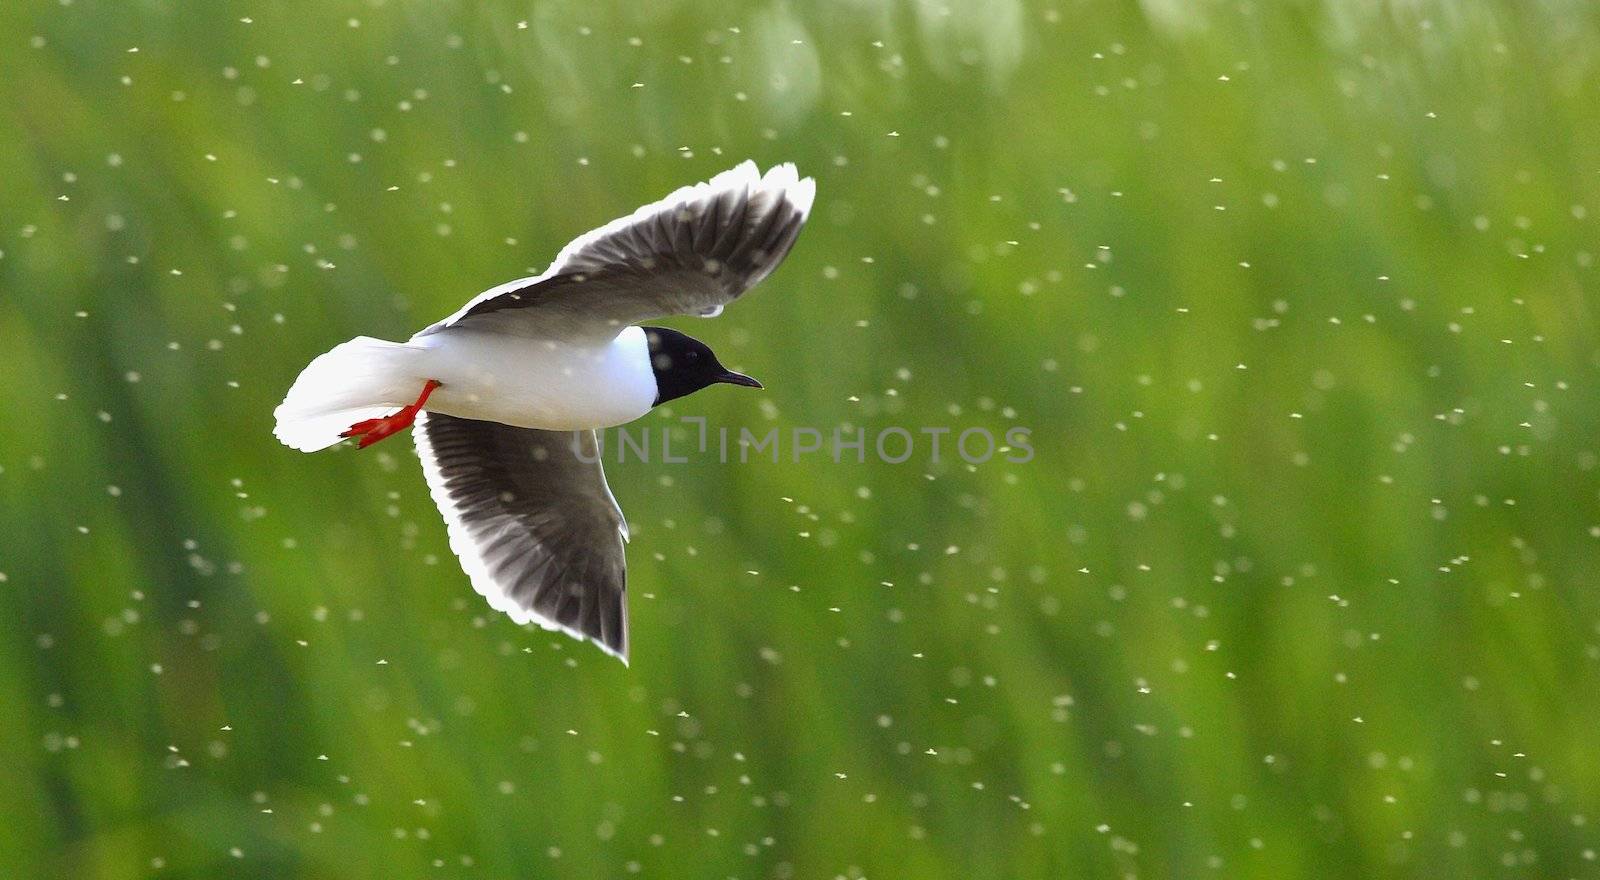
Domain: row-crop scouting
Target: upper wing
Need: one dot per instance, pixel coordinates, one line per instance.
(535, 526)
(689, 254)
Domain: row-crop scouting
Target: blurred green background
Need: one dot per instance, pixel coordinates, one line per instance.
(1298, 300)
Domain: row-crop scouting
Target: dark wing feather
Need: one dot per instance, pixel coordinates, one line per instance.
(689, 254)
(533, 522)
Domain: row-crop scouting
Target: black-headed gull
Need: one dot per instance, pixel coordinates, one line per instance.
(507, 393)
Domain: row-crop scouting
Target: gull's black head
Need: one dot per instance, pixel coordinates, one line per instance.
(684, 365)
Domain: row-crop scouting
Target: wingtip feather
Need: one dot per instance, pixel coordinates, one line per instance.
(803, 194)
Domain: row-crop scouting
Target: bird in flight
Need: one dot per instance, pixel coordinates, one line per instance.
(507, 393)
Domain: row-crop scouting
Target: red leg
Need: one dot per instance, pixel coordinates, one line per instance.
(372, 430)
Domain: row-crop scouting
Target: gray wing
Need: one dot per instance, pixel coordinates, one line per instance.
(689, 254)
(533, 522)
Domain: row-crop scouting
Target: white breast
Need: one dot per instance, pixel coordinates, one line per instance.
(540, 383)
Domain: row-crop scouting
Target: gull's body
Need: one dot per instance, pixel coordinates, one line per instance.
(507, 393)
(553, 384)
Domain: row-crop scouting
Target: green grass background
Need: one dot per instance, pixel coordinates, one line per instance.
(1297, 299)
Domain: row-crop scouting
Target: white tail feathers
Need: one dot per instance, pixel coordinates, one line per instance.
(364, 378)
